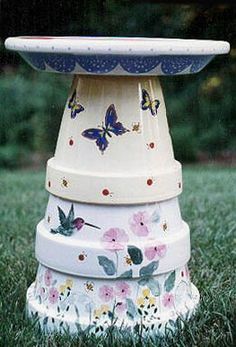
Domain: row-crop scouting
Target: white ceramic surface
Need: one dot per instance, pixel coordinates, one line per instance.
(126, 238)
(116, 45)
(70, 303)
(113, 226)
(129, 160)
(116, 56)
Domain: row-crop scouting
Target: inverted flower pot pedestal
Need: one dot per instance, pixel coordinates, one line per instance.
(112, 247)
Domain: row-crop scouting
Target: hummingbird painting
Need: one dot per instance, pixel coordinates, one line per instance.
(69, 224)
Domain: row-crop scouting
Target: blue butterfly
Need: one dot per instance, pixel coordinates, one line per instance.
(74, 105)
(147, 103)
(111, 127)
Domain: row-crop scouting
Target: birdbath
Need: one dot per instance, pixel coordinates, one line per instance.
(112, 247)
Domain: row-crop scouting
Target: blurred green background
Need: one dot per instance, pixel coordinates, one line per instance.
(201, 107)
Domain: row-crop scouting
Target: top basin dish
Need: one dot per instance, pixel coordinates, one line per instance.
(116, 55)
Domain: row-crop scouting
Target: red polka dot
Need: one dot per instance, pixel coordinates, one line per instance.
(81, 257)
(151, 145)
(149, 182)
(71, 142)
(105, 192)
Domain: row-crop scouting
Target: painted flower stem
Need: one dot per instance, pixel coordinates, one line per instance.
(117, 262)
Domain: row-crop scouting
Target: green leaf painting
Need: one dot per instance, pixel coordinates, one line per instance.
(148, 269)
(143, 281)
(170, 282)
(127, 274)
(107, 264)
(154, 287)
(135, 254)
(131, 309)
(152, 284)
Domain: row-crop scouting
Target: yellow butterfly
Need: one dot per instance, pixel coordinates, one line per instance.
(75, 107)
(148, 104)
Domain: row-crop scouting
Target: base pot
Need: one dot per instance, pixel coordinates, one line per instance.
(63, 302)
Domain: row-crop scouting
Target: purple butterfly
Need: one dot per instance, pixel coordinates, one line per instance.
(111, 127)
(74, 105)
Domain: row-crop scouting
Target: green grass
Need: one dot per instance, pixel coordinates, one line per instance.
(209, 206)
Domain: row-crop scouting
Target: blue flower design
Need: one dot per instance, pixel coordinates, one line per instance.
(97, 64)
(102, 64)
(172, 66)
(61, 62)
(137, 64)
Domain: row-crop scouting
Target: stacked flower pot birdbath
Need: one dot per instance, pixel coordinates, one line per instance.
(112, 247)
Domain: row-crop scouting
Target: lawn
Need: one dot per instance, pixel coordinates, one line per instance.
(209, 206)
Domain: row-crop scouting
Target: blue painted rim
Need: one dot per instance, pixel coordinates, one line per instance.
(103, 64)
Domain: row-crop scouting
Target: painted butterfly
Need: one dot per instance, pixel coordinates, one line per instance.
(147, 103)
(75, 107)
(111, 127)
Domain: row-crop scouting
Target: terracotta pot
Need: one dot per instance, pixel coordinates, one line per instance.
(112, 248)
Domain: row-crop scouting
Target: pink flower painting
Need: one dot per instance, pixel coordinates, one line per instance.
(155, 252)
(139, 223)
(114, 239)
(48, 277)
(122, 290)
(53, 295)
(106, 293)
(168, 300)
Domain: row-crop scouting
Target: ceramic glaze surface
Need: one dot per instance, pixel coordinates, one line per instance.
(112, 241)
(117, 65)
(159, 219)
(64, 301)
(113, 248)
(118, 56)
(114, 138)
